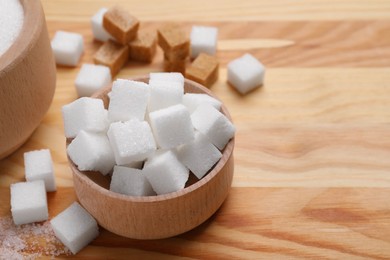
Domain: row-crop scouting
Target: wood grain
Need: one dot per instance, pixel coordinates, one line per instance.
(312, 174)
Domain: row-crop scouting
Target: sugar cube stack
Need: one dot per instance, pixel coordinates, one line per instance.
(99, 33)
(199, 155)
(203, 40)
(75, 227)
(175, 173)
(112, 55)
(156, 136)
(67, 47)
(120, 24)
(172, 126)
(175, 45)
(132, 141)
(130, 181)
(204, 70)
(213, 124)
(39, 166)
(91, 152)
(84, 114)
(129, 99)
(28, 202)
(245, 73)
(92, 78)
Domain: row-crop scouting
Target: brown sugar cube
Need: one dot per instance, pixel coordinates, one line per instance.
(120, 24)
(143, 48)
(174, 42)
(204, 70)
(175, 66)
(112, 55)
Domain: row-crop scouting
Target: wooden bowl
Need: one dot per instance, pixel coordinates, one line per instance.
(27, 80)
(161, 216)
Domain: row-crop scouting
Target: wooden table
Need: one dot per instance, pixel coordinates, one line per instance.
(312, 156)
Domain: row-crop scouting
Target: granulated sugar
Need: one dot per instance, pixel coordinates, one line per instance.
(28, 241)
(11, 22)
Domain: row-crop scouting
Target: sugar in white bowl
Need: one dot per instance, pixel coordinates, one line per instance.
(11, 22)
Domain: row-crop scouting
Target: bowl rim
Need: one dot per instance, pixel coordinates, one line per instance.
(226, 154)
(27, 37)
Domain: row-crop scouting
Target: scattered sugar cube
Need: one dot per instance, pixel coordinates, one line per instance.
(84, 114)
(172, 126)
(174, 65)
(174, 42)
(67, 48)
(203, 70)
(112, 55)
(203, 39)
(129, 99)
(143, 48)
(99, 33)
(39, 166)
(165, 172)
(164, 94)
(92, 152)
(193, 100)
(92, 78)
(245, 73)
(131, 141)
(28, 202)
(120, 24)
(199, 155)
(75, 227)
(130, 181)
(213, 124)
(167, 76)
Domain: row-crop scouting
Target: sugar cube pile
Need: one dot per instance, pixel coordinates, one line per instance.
(11, 20)
(39, 166)
(246, 73)
(155, 138)
(28, 202)
(75, 227)
(67, 47)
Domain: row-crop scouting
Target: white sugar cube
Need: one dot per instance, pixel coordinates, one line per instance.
(92, 78)
(199, 155)
(128, 100)
(164, 94)
(213, 124)
(67, 48)
(99, 33)
(165, 172)
(131, 141)
(84, 114)
(172, 126)
(75, 227)
(245, 73)
(167, 76)
(130, 181)
(203, 39)
(28, 202)
(39, 166)
(92, 152)
(193, 100)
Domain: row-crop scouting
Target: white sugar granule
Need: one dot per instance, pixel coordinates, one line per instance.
(28, 241)
(11, 22)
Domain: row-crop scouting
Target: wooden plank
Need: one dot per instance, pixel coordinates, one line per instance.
(282, 223)
(232, 10)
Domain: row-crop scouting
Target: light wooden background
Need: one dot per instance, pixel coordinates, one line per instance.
(312, 156)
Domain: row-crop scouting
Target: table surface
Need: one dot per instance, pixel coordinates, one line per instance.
(312, 155)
